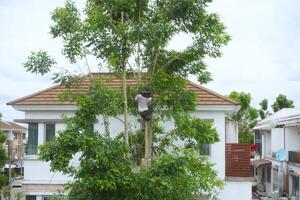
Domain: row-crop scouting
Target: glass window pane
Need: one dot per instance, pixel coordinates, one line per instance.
(295, 186)
(205, 149)
(30, 197)
(32, 143)
(50, 132)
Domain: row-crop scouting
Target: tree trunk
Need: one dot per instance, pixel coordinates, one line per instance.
(148, 144)
(125, 108)
(124, 83)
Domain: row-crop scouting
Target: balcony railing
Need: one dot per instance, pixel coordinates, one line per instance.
(237, 158)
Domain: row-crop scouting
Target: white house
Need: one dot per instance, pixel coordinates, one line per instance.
(278, 170)
(43, 114)
(14, 146)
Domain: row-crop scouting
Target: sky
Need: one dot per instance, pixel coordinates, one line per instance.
(262, 57)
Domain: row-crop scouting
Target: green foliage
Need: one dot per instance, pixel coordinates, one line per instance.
(3, 180)
(184, 175)
(194, 131)
(19, 196)
(282, 102)
(246, 116)
(39, 62)
(3, 137)
(110, 31)
(2, 157)
(263, 111)
(104, 169)
(6, 192)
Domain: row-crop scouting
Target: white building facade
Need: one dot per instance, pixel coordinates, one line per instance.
(278, 171)
(44, 114)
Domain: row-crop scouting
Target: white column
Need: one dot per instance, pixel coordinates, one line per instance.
(41, 135)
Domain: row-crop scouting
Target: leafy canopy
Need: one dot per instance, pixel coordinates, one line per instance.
(282, 102)
(114, 32)
(246, 116)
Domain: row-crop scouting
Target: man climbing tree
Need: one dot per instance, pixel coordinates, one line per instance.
(114, 32)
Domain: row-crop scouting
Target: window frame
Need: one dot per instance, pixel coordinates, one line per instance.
(33, 147)
(295, 187)
(206, 152)
(29, 197)
(275, 177)
(268, 174)
(51, 138)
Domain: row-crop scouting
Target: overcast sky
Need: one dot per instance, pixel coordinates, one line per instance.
(262, 58)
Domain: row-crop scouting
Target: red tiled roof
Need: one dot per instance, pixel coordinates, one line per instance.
(50, 95)
(10, 126)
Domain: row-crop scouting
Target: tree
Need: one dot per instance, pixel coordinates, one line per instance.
(3, 158)
(263, 111)
(115, 32)
(246, 116)
(282, 102)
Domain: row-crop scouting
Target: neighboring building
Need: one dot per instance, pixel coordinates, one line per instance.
(44, 114)
(278, 170)
(14, 146)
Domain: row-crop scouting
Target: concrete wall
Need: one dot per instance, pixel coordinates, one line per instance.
(39, 172)
(231, 129)
(292, 138)
(237, 191)
(267, 148)
(277, 139)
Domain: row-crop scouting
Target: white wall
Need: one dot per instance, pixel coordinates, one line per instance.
(47, 114)
(292, 138)
(236, 191)
(218, 149)
(231, 131)
(277, 139)
(267, 149)
(36, 170)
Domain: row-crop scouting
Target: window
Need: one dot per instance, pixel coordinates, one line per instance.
(50, 132)
(205, 149)
(32, 143)
(46, 198)
(295, 186)
(275, 180)
(268, 174)
(15, 135)
(30, 197)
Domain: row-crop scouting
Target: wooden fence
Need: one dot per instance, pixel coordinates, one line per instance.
(237, 160)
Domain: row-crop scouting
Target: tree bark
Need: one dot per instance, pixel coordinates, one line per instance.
(148, 143)
(124, 83)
